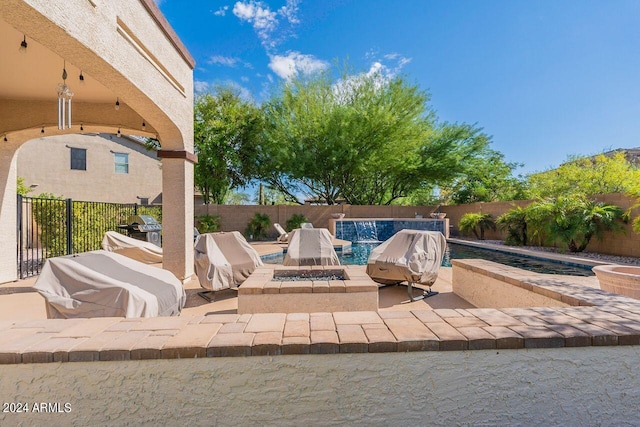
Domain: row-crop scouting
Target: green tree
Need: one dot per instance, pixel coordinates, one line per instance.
(572, 221)
(22, 189)
(485, 178)
(272, 196)
(367, 138)
(476, 223)
(586, 176)
(226, 131)
(237, 198)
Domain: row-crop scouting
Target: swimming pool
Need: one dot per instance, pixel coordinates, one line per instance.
(360, 254)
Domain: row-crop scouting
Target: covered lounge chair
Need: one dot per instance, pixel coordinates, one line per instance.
(106, 284)
(223, 260)
(284, 236)
(311, 246)
(410, 255)
(136, 249)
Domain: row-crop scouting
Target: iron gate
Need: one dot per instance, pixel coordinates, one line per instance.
(50, 227)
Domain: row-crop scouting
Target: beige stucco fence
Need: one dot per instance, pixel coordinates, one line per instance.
(236, 217)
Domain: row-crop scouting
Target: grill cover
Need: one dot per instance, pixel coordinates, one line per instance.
(409, 255)
(311, 246)
(139, 250)
(224, 260)
(106, 284)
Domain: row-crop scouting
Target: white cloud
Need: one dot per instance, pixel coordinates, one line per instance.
(379, 73)
(229, 61)
(258, 14)
(293, 63)
(376, 68)
(244, 92)
(389, 66)
(266, 22)
(244, 79)
(200, 87)
(222, 11)
(290, 11)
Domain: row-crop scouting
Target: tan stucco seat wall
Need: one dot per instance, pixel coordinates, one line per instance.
(126, 47)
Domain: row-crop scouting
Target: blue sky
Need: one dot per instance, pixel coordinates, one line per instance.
(546, 79)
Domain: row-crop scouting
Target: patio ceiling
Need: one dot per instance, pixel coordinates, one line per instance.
(35, 74)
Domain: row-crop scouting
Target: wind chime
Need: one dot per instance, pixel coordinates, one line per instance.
(64, 101)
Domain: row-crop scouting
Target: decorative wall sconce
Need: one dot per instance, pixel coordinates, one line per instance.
(42, 130)
(5, 138)
(144, 126)
(81, 127)
(23, 45)
(117, 104)
(118, 134)
(81, 77)
(64, 102)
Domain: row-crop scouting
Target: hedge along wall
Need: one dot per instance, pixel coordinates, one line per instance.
(236, 217)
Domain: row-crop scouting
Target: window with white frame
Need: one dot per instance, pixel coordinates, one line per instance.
(121, 162)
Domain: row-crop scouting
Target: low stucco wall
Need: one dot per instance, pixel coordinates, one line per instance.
(566, 386)
(488, 292)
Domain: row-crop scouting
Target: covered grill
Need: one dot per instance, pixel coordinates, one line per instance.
(144, 227)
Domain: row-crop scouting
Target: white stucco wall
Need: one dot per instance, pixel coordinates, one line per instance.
(568, 386)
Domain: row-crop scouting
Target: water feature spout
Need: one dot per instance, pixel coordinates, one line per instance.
(366, 231)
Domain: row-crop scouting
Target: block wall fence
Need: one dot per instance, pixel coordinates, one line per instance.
(236, 217)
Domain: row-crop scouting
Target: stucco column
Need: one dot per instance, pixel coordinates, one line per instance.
(8, 215)
(177, 214)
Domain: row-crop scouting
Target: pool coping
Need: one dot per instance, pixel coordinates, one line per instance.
(572, 260)
(595, 318)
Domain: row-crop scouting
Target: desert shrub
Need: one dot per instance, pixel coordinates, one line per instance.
(258, 226)
(208, 223)
(295, 221)
(514, 222)
(476, 223)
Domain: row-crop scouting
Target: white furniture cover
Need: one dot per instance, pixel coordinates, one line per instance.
(409, 255)
(106, 284)
(284, 236)
(136, 249)
(224, 260)
(311, 246)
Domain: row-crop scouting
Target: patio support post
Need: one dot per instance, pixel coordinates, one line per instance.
(177, 213)
(8, 217)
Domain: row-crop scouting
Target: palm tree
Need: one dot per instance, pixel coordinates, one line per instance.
(472, 222)
(514, 221)
(573, 221)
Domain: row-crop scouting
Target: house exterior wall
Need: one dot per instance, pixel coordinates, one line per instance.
(45, 162)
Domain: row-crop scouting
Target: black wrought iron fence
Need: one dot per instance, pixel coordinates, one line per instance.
(50, 227)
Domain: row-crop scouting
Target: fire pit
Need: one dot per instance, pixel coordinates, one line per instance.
(281, 289)
(304, 275)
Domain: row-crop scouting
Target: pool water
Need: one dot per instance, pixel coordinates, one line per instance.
(360, 254)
